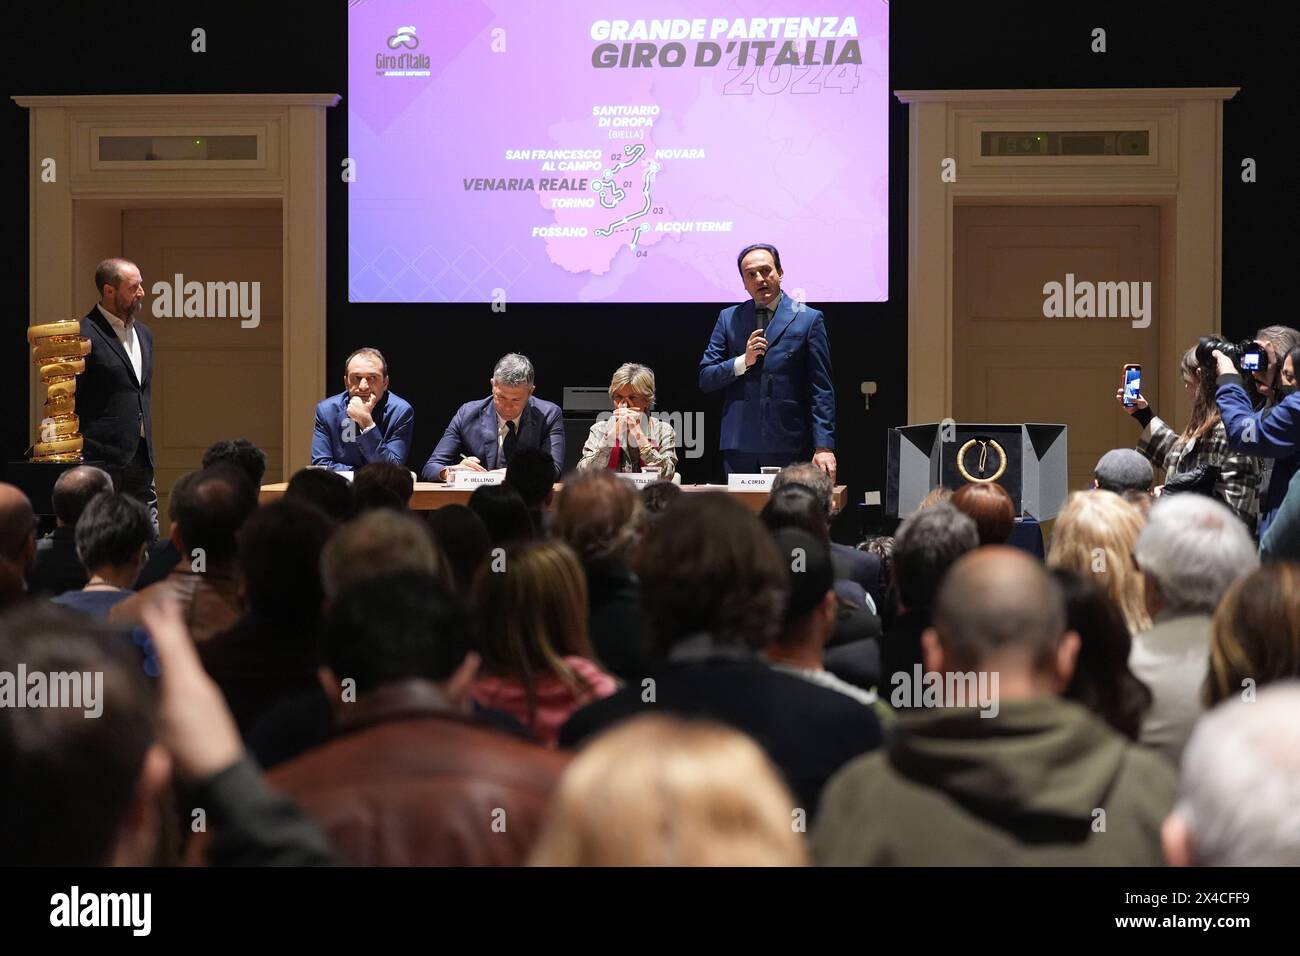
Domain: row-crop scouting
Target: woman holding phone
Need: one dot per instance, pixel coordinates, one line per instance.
(1198, 458)
(630, 440)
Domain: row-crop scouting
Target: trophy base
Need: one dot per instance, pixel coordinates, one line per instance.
(72, 457)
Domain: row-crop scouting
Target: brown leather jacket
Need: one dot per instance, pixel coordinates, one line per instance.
(408, 783)
(209, 601)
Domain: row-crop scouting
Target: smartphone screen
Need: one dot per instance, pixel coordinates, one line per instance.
(1132, 383)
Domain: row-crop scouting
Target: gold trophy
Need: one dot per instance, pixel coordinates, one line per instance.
(60, 350)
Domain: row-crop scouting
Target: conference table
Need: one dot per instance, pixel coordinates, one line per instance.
(431, 495)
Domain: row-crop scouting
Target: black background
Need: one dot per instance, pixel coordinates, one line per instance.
(442, 355)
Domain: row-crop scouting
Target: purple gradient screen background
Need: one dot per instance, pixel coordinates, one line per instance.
(791, 157)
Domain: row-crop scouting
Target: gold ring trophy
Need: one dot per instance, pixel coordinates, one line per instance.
(60, 350)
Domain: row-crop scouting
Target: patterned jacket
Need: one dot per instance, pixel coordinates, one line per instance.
(661, 453)
(1238, 484)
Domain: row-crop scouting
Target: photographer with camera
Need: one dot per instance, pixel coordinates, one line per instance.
(1199, 459)
(1273, 431)
(1262, 385)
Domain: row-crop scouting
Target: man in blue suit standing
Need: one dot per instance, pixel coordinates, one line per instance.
(771, 356)
(365, 422)
(484, 434)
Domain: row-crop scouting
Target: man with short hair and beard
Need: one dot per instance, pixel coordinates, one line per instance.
(114, 392)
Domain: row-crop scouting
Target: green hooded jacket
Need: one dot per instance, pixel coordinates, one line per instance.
(1043, 783)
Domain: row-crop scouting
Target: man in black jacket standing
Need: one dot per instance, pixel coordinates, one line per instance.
(114, 393)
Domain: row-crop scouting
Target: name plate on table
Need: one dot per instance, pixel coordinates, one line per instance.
(750, 482)
(474, 479)
(639, 478)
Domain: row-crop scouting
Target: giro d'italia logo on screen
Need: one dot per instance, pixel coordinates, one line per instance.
(399, 59)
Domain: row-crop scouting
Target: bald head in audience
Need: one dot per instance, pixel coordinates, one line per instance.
(17, 542)
(1000, 611)
(73, 490)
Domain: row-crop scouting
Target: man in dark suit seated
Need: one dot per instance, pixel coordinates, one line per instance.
(57, 567)
(365, 422)
(714, 585)
(484, 434)
(114, 393)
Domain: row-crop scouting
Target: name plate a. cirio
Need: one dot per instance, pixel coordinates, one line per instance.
(639, 479)
(737, 482)
(473, 479)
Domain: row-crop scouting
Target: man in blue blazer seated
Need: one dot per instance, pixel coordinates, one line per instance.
(771, 357)
(484, 434)
(365, 422)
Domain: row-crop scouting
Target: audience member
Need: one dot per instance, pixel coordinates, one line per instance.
(1094, 535)
(57, 568)
(797, 506)
(599, 517)
(209, 513)
(990, 507)
(504, 513)
(810, 613)
(91, 792)
(1017, 777)
(861, 567)
(1239, 790)
(1191, 550)
(1200, 459)
(1141, 500)
(1123, 469)
(272, 652)
(532, 622)
(1102, 681)
(239, 452)
(714, 586)
(113, 535)
(464, 540)
(439, 787)
(382, 484)
(926, 545)
(365, 551)
(324, 489)
(531, 472)
(17, 544)
(659, 791)
(1255, 633)
(656, 497)
(937, 495)
(163, 557)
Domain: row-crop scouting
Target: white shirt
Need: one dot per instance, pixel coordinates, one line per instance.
(130, 341)
(741, 367)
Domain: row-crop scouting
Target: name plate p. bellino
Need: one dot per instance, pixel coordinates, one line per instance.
(473, 479)
(737, 482)
(639, 479)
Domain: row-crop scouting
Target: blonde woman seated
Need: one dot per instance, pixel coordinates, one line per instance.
(1095, 536)
(662, 791)
(630, 440)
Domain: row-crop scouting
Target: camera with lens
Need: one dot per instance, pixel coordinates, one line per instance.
(1248, 356)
